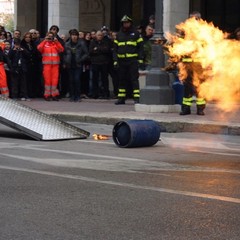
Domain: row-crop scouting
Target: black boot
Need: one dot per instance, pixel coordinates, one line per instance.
(120, 101)
(186, 110)
(200, 109)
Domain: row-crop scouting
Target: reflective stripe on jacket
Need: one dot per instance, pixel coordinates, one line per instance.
(128, 45)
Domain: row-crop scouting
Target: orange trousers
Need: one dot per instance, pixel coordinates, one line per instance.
(3, 82)
(51, 78)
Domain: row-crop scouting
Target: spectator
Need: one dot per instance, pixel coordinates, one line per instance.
(38, 82)
(81, 35)
(74, 56)
(9, 37)
(16, 35)
(7, 65)
(3, 36)
(63, 37)
(114, 74)
(34, 86)
(18, 57)
(147, 47)
(93, 34)
(54, 29)
(86, 86)
(35, 36)
(151, 21)
(50, 48)
(3, 78)
(100, 56)
(140, 29)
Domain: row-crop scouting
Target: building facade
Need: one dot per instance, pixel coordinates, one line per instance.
(86, 15)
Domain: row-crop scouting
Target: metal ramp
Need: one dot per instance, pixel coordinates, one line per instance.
(36, 124)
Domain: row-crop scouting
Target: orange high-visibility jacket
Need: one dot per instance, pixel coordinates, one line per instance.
(50, 51)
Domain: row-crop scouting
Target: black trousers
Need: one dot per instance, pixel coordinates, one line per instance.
(100, 80)
(128, 73)
(19, 84)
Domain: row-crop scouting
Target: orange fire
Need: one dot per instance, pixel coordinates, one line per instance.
(100, 137)
(218, 57)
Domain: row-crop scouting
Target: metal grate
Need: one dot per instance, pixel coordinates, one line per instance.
(36, 124)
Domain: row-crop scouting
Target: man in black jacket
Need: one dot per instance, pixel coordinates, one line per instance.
(127, 56)
(99, 51)
(75, 54)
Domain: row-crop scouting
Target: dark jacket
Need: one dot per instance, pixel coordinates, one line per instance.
(4, 58)
(128, 45)
(77, 51)
(100, 51)
(19, 59)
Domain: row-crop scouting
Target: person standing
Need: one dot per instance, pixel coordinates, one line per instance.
(75, 54)
(19, 58)
(50, 48)
(16, 35)
(100, 50)
(3, 78)
(6, 51)
(34, 86)
(147, 35)
(127, 57)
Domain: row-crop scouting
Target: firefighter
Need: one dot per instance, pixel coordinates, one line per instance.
(3, 78)
(50, 49)
(127, 57)
(193, 71)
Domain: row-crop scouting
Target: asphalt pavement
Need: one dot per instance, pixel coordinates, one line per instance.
(215, 120)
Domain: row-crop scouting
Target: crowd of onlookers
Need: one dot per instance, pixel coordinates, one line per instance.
(90, 73)
(25, 63)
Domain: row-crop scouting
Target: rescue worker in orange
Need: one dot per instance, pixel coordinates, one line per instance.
(3, 78)
(50, 48)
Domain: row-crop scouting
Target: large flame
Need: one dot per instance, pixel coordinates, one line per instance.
(218, 58)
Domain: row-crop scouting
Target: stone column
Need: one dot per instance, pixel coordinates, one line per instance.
(157, 90)
(65, 14)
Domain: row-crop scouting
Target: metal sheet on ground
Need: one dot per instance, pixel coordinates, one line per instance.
(36, 124)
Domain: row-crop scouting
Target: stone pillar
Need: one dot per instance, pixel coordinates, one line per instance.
(65, 14)
(157, 90)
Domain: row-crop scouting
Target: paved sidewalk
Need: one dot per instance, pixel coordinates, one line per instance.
(105, 111)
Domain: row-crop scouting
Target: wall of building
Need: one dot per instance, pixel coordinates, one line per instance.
(88, 14)
(64, 14)
(25, 14)
(93, 14)
(174, 12)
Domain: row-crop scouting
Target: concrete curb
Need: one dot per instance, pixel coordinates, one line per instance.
(168, 126)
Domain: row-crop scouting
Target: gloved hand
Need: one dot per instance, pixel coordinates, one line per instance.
(141, 65)
(115, 65)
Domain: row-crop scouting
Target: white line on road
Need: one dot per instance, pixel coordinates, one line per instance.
(128, 185)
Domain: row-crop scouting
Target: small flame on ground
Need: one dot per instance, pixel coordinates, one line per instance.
(219, 60)
(100, 137)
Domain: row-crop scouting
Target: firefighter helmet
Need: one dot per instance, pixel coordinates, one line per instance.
(126, 18)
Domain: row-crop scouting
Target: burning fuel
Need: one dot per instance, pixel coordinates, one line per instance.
(100, 137)
(218, 56)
